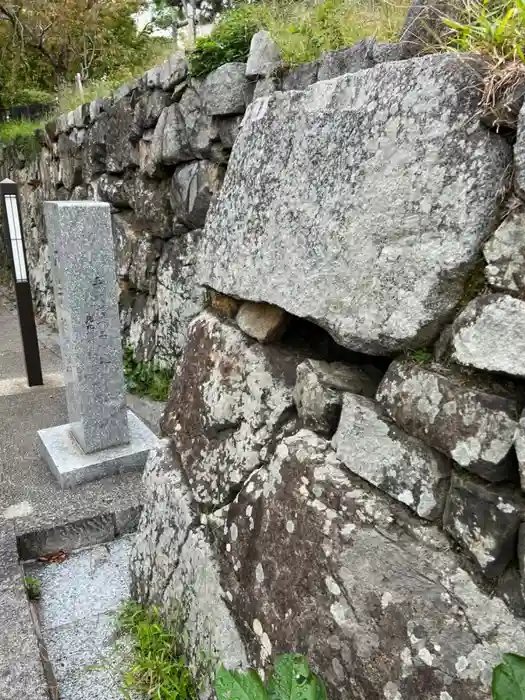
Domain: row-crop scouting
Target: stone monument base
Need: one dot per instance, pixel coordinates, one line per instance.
(72, 466)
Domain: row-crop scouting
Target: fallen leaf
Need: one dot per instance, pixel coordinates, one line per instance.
(54, 557)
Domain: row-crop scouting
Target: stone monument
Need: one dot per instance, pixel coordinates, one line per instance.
(103, 437)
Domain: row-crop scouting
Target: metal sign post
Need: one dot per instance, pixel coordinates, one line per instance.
(12, 224)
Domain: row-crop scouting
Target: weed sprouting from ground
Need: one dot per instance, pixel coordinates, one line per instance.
(33, 588)
(146, 378)
(158, 667)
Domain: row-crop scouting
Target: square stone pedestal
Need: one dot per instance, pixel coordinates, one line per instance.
(72, 466)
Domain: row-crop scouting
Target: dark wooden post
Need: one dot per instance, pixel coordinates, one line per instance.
(14, 240)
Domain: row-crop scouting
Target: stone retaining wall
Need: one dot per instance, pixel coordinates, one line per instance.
(157, 152)
(332, 260)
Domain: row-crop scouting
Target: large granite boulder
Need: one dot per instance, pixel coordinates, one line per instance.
(475, 427)
(400, 465)
(308, 559)
(231, 400)
(360, 203)
(489, 334)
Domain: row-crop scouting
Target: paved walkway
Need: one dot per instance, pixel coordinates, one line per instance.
(29, 495)
(36, 516)
(76, 612)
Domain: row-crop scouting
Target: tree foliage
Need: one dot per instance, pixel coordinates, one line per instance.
(44, 43)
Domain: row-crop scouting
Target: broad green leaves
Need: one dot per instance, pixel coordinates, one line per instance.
(233, 685)
(508, 679)
(291, 679)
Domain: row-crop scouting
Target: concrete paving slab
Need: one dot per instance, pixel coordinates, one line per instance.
(79, 598)
(11, 349)
(21, 674)
(29, 494)
(89, 583)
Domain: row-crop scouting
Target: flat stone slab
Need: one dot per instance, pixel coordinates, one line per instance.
(72, 466)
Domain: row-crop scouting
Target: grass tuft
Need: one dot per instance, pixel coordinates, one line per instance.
(21, 133)
(33, 588)
(494, 29)
(158, 667)
(303, 30)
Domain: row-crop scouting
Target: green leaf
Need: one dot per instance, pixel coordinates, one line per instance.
(292, 679)
(508, 679)
(234, 685)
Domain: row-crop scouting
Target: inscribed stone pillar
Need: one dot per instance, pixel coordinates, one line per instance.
(82, 245)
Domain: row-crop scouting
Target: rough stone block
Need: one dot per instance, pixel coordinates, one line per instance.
(72, 466)
(489, 334)
(520, 449)
(308, 552)
(173, 71)
(519, 153)
(228, 129)
(224, 90)
(485, 520)
(224, 305)
(505, 254)
(174, 146)
(349, 60)
(318, 393)
(301, 76)
(264, 322)
(264, 58)
(193, 187)
(424, 30)
(221, 431)
(355, 224)
(474, 427)
(382, 454)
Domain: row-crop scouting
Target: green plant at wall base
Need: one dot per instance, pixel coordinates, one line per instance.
(33, 588)
(158, 668)
(146, 378)
(290, 679)
(508, 678)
